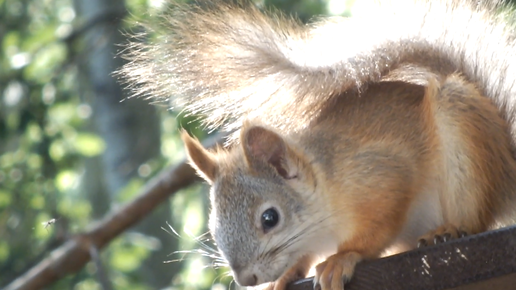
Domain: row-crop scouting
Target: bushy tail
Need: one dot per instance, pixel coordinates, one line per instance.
(233, 61)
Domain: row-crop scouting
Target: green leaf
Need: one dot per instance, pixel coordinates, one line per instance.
(129, 191)
(57, 150)
(66, 180)
(62, 113)
(127, 258)
(4, 250)
(5, 199)
(37, 201)
(39, 38)
(88, 284)
(10, 43)
(45, 61)
(88, 144)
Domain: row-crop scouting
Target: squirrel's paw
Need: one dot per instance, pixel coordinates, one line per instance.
(441, 235)
(337, 270)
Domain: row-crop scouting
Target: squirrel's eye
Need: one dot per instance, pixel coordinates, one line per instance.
(270, 219)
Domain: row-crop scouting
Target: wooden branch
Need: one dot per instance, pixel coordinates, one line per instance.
(75, 253)
(101, 273)
(485, 261)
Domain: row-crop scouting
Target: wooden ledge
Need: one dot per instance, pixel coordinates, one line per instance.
(486, 261)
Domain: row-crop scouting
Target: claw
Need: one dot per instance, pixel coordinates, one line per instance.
(437, 239)
(442, 234)
(317, 286)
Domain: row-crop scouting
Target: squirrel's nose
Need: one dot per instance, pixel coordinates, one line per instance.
(245, 278)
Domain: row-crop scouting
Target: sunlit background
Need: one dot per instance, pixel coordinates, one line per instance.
(71, 151)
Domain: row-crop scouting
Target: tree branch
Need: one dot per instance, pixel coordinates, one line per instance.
(101, 274)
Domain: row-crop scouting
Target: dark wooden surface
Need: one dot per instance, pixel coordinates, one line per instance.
(485, 261)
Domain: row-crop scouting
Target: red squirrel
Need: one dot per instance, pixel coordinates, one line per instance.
(351, 136)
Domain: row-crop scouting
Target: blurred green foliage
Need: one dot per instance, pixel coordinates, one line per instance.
(46, 137)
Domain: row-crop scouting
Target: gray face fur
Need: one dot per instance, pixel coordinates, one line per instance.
(238, 232)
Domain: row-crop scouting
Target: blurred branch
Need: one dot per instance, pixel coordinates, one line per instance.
(101, 273)
(75, 253)
(7, 268)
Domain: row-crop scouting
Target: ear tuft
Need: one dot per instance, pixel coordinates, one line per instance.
(203, 161)
(262, 146)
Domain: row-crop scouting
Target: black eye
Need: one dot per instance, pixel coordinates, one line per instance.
(270, 219)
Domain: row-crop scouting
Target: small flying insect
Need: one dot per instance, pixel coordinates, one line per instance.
(48, 223)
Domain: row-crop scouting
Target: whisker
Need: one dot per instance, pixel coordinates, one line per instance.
(207, 248)
(172, 229)
(232, 283)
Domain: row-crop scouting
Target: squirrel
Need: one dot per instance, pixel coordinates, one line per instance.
(349, 136)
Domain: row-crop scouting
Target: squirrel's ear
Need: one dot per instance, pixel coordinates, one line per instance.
(203, 161)
(262, 146)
